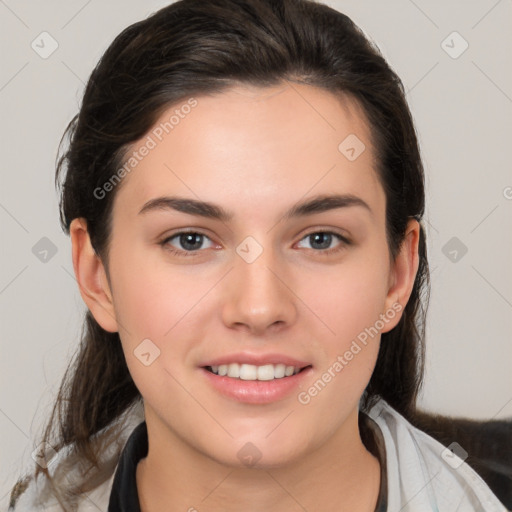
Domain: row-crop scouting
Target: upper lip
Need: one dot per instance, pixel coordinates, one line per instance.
(256, 360)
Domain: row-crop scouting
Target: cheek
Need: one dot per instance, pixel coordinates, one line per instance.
(161, 303)
(350, 298)
(151, 296)
(349, 301)
(351, 306)
(154, 308)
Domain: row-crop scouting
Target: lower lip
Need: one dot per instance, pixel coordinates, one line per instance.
(256, 391)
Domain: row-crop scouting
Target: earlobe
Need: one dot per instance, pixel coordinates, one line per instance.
(91, 276)
(404, 270)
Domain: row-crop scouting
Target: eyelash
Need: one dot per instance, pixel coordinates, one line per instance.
(323, 252)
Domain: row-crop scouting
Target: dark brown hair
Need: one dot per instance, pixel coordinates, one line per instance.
(194, 47)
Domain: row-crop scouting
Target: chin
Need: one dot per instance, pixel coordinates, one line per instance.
(253, 452)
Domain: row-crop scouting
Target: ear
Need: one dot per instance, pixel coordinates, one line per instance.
(91, 276)
(403, 274)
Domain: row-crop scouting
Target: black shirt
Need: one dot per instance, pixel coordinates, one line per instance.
(125, 498)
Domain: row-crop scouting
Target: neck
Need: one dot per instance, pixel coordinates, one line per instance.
(340, 475)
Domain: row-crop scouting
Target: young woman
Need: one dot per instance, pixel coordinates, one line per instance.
(244, 194)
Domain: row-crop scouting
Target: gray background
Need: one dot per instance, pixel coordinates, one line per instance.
(462, 108)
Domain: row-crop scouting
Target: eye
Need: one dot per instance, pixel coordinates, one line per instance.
(321, 241)
(190, 242)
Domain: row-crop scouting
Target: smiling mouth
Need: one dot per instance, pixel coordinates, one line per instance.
(249, 372)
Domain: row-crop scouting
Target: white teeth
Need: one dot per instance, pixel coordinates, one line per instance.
(234, 370)
(289, 370)
(252, 372)
(279, 370)
(248, 372)
(266, 372)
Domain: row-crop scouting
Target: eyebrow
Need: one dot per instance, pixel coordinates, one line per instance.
(310, 206)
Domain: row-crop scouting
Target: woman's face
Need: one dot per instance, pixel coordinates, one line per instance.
(269, 283)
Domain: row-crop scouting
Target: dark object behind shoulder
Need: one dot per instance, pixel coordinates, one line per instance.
(488, 444)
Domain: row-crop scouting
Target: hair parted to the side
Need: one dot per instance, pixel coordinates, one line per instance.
(193, 47)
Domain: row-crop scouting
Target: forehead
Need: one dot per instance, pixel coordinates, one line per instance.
(255, 146)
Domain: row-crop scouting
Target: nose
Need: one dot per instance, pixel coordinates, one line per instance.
(258, 296)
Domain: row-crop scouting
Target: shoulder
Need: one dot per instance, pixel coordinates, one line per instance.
(30, 494)
(424, 474)
(71, 474)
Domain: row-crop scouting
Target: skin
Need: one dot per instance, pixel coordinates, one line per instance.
(256, 152)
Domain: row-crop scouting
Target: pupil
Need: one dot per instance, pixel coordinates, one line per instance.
(324, 239)
(187, 240)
